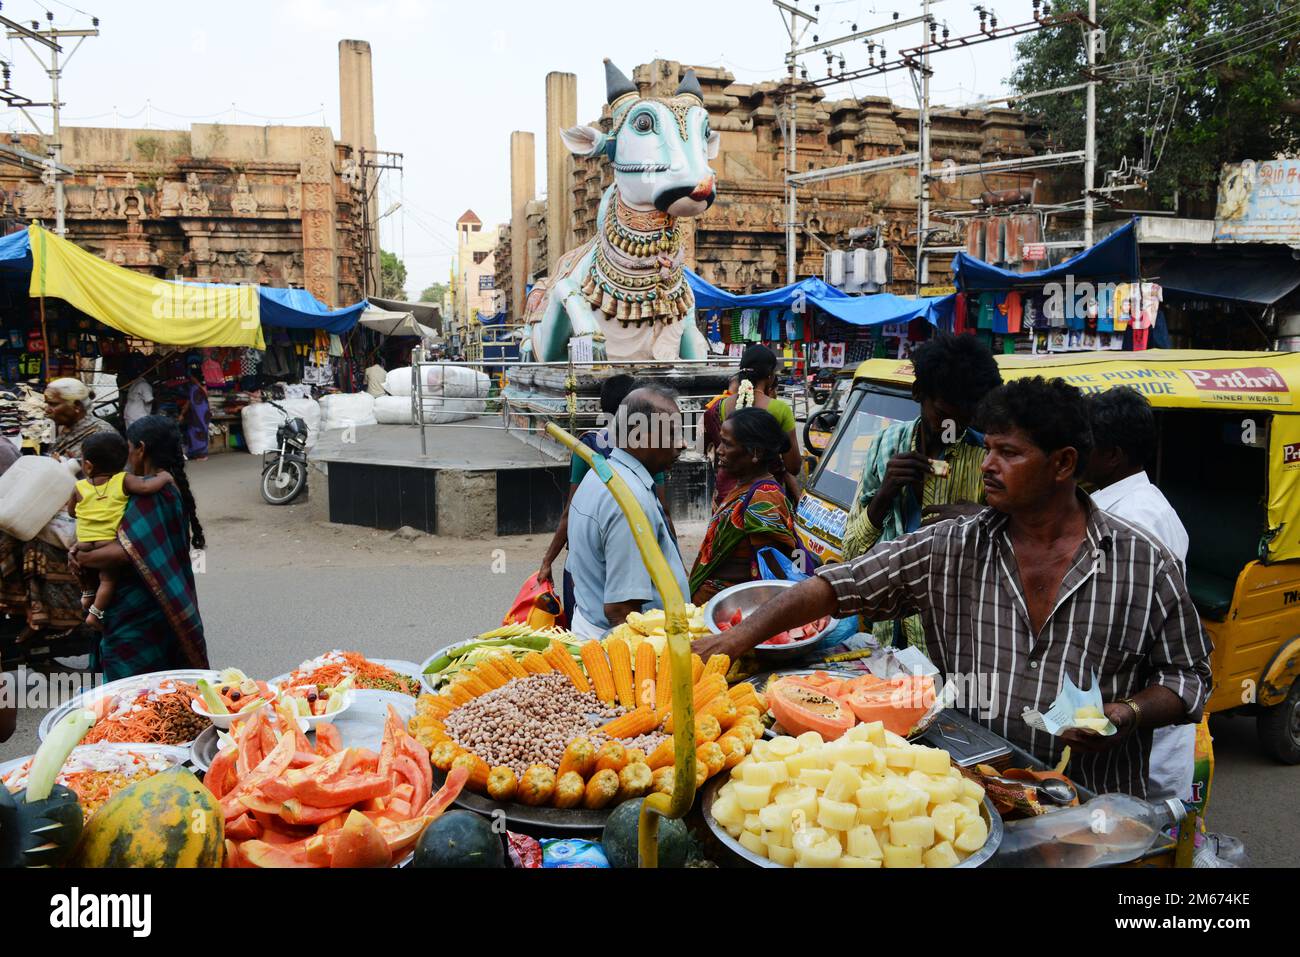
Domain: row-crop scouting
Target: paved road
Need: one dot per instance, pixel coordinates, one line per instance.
(282, 585)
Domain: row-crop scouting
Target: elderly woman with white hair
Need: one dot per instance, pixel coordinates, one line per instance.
(35, 581)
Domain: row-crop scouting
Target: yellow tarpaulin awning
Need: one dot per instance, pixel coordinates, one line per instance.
(162, 311)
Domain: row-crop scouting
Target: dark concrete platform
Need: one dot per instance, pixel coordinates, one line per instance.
(476, 444)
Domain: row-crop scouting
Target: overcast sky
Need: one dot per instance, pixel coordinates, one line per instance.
(451, 79)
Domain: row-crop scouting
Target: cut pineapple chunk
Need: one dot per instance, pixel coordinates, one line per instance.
(945, 820)
(727, 812)
(847, 861)
(859, 732)
(815, 777)
(825, 854)
(875, 732)
(780, 836)
(752, 824)
(810, 739)
(874, 796)
(941, 855)
(857, 753)
(893, 740)
(900, 805)
(861, 842)
(970, 805)
(942, 790)
(734, 829)
(844, 782)
(808, 838)
(899, 758)
(765, 772)
(781, 855)
(836, 815)
(972, 790)
(774, 815)
(803, 760)
(751, 797)
(761, 751)
(872, 817)
(971, 836)
(784, 746)
(912, 832)
(895, 856)
(932, 760)
(752, 843)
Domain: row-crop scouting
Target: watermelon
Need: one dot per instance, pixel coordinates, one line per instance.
(620, 838)
(460, 839)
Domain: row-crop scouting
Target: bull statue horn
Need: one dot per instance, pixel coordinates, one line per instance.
(690, 86)
(617, 85)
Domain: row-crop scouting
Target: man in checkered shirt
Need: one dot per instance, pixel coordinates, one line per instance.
(1040, 586)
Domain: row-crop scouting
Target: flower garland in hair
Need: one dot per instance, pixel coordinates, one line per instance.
(744, 394)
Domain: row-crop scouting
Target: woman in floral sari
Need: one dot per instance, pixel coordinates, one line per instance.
(755, 513)
(153, 623)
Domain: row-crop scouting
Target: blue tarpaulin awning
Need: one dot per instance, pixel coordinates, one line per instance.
(1114, 259)
(299, 309)
(870, 310)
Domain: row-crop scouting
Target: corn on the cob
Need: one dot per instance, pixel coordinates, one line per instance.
(662, 756)
(492, 676)
(602, 681)
(511, 666)
(443, 754)
(459, 694)
(474, 684)
(559, 658)
(536, 786)
(601, 789)
(711, 755)
(478, 770)
(647, 664)
(612, 756)
(704, 694)
(579, 756)
(697, 668)
(502, 784)
(733, 749)
(634, 781)
(740, 690)
(664, 683)
(535, 664)
(639, 721)
(620, 664)
(721, 708)
(570, 789)
(717, 665)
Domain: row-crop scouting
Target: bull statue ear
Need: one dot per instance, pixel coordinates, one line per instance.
(617, 84)
(584, 140)
(690, 86)
(715, 144)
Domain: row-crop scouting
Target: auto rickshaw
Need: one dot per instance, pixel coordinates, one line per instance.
(1227, 458)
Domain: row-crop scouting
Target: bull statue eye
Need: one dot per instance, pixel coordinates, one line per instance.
(644, 123)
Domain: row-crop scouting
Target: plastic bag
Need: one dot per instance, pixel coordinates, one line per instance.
(537, 606)
(393, 410)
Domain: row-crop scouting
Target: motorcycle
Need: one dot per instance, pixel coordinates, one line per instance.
(284, 469)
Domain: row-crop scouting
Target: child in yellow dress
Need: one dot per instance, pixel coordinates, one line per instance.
(98, 505)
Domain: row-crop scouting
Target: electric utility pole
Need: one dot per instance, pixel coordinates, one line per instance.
(790, 127)
(49, 38)
(1090, 136)
(923, 146)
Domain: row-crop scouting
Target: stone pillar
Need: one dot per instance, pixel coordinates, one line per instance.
(523, 188)
(357, 127)
(561, 113)
(319, 246)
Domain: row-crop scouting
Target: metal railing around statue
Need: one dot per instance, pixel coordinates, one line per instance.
(524, 397)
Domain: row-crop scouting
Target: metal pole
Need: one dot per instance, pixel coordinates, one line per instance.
(1090, 139)
(60, 227)
(923, 144)
(791, 139)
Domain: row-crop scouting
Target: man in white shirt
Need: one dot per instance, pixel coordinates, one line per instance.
(376, 376)
(139, 401)
(1124, 437)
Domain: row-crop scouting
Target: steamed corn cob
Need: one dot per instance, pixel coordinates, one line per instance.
(602, 680)
(629, 725)
(620, 664)
(647, 664)
(563, 662)
(535, 664)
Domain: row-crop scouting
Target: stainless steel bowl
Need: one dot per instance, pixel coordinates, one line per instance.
(746, 598)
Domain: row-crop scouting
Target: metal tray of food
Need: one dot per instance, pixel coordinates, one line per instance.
(525, 815)
(87, 699)
(361, 726)
(989, 813)
(175, 755)
(408, 668)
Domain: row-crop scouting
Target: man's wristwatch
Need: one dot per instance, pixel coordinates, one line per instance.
(1137, 712)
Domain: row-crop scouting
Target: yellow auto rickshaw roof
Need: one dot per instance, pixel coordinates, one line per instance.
(1169, 378)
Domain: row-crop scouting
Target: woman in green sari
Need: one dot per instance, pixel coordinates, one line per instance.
(754, 515)
(153, 623)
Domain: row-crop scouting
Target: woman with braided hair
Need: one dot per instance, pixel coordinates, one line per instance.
(756, 512)
(756, 388)
(153, 623)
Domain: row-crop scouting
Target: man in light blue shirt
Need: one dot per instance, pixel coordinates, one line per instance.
(609, 579)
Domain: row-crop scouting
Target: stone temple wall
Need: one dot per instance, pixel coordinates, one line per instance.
(276, 205)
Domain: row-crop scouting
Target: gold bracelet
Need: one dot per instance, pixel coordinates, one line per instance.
(1137, 712)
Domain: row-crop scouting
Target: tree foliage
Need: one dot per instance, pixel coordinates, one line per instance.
(434, 293)
(1189, 85)
(393, 278)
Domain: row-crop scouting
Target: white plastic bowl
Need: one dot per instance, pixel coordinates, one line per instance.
(224, 721)
(311, 720)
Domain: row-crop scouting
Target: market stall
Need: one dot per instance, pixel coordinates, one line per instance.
(594, 753)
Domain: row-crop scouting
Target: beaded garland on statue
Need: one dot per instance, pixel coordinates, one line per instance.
(637, 275)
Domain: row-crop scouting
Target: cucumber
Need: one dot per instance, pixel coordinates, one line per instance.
(211, 698)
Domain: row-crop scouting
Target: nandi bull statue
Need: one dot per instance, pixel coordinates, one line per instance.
(626, 288)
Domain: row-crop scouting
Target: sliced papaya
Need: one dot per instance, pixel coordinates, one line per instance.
(359, 843)
(898, 703)
(801, 706)
(262, 854)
